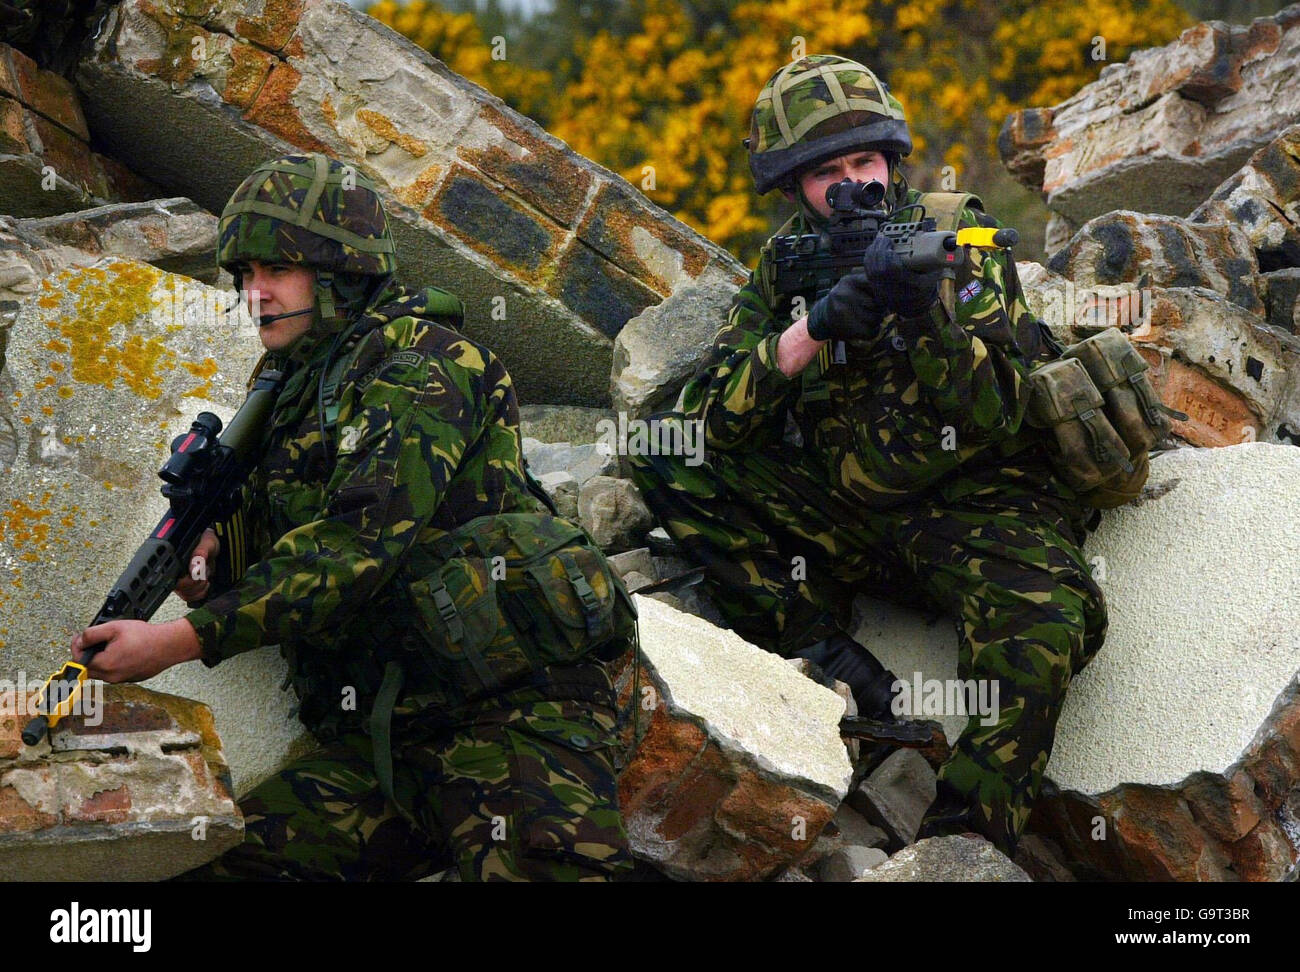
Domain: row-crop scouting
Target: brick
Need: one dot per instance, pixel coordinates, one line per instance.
(249, 70)
(123, 716)
(1263, 854)
(1226, 808)
(642, 240)
(273, 25)
(1216, 415)
(50, 95)
(668, 744)
(120, 798)
(8, 79)
(105, 806)
(13, 131)
(598, 291)
(1021, 142)
(17, 815)
(495, 224)
(70, 157)
(765, 812)
(275, 111)
(539, 171)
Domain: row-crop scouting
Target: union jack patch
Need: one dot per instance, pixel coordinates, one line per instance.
(971, 290)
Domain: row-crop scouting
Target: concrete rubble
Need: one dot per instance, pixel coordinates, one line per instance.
(740, 766)
(552, 253)
(1174, 183)
(1158, 132)
(960, 858)
(135, 789)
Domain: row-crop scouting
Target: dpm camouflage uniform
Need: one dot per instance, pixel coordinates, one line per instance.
(915, 482)
(344, 519)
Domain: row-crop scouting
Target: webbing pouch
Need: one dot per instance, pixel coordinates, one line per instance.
(1086, 450)
(1119, 373)
(514, 593)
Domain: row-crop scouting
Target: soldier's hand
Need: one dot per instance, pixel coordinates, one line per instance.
(195, 586)
(908, 293)
(849, 312)
(131, 651)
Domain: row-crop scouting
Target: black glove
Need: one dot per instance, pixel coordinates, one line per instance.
(905, 292)
(849, 312)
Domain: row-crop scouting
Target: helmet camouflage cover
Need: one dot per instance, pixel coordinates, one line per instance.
(311, 210)
(816, 108)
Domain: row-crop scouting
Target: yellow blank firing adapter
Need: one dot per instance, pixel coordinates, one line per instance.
(55, 701)
(988, 237)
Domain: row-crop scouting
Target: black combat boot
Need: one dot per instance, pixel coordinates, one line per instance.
(840, 657)
(949, 815)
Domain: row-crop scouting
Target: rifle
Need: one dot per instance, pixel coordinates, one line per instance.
(202, 481)
(812, 263)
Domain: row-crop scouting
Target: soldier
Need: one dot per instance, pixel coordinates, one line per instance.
(394, 528)
(915, 479)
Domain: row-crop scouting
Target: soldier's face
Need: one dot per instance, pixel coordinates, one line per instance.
(858, 166)
(277, 288)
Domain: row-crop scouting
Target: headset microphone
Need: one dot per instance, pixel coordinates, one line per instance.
(266, 319)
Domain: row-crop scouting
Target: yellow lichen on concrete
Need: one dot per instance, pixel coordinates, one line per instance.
(384, 128)
(23, 526)
(108, 297)
(207, 371)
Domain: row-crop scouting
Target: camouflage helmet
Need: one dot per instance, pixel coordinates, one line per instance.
(816, 108)
(311, 210)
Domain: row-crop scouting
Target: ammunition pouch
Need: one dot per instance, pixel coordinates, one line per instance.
(513, 594)
(1104, 413)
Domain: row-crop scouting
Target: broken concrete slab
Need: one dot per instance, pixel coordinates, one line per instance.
(896, 795)
(660, 348)
(562, 487)
(849, 863)
(582, 461)
(171, 234)
(1178, 749)
(635, 561)
(551, 253)
(1202, 601)
(741, 765)
(1233, 375)
(614, 513)
(1161, 130)
(1162, 251)
(104, 366)
(947, 859)
(136, 790)
(1263, 199)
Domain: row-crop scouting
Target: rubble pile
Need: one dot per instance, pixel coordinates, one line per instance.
(1174, 182)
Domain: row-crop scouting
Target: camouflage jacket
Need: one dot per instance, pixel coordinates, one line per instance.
(426, 439)
(890, 416)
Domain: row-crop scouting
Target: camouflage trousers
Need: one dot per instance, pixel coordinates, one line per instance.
(995, 548)
(524, 793)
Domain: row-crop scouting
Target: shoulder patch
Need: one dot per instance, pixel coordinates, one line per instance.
(408, 357)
